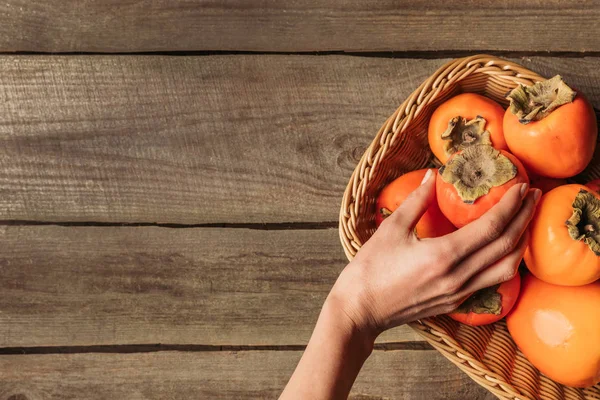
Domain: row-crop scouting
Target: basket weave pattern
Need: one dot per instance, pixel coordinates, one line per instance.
(487, 353)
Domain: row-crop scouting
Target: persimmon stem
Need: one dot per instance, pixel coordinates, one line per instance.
(589, 228)
(462, 133)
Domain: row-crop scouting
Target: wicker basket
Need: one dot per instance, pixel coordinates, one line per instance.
(487, 354)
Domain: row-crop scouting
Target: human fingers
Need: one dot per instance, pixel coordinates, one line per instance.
(475, 235)
(502, 271)
(412, 209)
(503, 245)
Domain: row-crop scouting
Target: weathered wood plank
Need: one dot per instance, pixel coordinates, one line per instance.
(70, 286)
(273, 25)
(221, 375)
(212, 139)
(189, 139)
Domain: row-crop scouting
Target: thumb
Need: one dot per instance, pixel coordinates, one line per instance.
(412, 209)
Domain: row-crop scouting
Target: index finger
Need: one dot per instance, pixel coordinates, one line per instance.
(488, 227)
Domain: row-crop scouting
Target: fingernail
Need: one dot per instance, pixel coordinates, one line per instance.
(537, 194)
(524, 188)
(427, 176)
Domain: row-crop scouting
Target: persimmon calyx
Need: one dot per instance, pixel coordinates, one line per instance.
(462, 133)
(535, 102)
(384, 212)
(584, 223)
(484, 301)
(476, 170)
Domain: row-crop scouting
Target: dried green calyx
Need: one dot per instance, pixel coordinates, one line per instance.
(533, 103)
(484, 301)
(462, 133)
(476, 170)
(584, 223)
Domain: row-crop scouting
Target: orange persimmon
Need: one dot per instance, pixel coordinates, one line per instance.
(594, 185)
(474, 180)
(432, 223)
(465, 120)
(550, 128)
(489, 305)
(558, 330)
(564, 237)
(545, 184)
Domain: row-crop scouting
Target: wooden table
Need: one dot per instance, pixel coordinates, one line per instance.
(169, 218)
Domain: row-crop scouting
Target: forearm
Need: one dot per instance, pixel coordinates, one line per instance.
(335, 353)
(397, 277)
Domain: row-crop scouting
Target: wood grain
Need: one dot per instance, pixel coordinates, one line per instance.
(312, 25)
(189, 139)
(221, 375)
(193, 140)
(80, 286)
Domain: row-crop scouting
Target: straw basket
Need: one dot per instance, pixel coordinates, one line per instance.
(487, 354)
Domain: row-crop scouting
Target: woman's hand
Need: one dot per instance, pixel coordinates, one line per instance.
(397, 278)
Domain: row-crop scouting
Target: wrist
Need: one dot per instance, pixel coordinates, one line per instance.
(335, 353)
(348, 315)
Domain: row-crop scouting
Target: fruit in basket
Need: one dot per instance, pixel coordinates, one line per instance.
(558, 330)
(489, 305)
(465, 120)
(550, 128)
(545, 184)
(594, 185)
(564, 237)
(474, 180)
(432, 224)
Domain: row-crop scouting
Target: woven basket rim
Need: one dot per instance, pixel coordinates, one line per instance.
(392, 130)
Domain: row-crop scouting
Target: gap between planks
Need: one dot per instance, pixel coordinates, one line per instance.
(268, 226)
(434, 54)
(152, 348)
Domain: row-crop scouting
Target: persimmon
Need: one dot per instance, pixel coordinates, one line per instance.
(594, 185)
(558, 330)
(465, 120)
(550, 128)
(545, 184)
(432, 223)
(474, 180)
(564, 237)
(489, 305)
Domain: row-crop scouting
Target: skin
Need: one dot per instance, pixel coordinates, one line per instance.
(432, 223)
(397, 278)
(509, 291)
(469, 106)
(461, 213)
